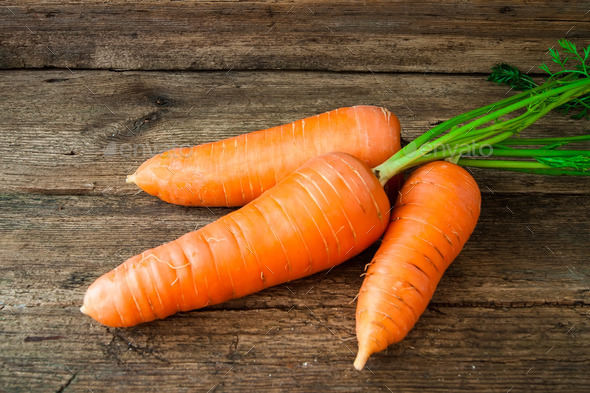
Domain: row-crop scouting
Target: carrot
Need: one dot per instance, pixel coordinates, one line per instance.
(234, 171)
(322, 214)
(435, 213)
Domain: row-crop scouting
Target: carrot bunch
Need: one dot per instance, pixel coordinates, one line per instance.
(309, 208)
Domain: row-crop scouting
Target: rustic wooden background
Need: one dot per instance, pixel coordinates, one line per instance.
(90, 91)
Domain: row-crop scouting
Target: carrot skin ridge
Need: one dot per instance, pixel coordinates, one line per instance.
(235, 171)
(252, 248)
(435, 213)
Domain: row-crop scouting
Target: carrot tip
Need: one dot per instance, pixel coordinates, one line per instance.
(361, 360)
(130, 178)
(83, 310)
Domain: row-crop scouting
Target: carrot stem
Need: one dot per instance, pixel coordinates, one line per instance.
(486, 150)
(449, 124)
(545, 141)
(520, 166)
(456, 140)
(535, 152)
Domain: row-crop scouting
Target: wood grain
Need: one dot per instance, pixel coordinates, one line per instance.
(512, 310)
(301, 351)
(55, 246)
(83, 132)
(447, 36)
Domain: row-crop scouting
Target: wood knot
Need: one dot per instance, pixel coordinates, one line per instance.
(163, 102)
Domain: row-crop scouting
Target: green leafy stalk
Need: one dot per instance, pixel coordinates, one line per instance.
(511, 76)
(537, 105)
(576, 160)
(521, 166)
(487, 151)
(562, 140)
(506, 74)
(457, 120)
(579, 162)
(496, 152)
(497, 124)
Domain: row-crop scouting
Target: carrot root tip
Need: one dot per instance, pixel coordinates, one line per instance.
(130, 178)
(361, 360)
(83, 310)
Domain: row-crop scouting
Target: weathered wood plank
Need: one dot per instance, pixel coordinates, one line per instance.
(448, 36)
(451, 349)
(526, 250)
(82, 132)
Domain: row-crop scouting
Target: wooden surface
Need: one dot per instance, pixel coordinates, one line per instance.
(512, 314)
(439, 36)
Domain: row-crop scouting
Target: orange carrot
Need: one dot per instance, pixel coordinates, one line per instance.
(322, 214)
(234, 171)
(434, 215)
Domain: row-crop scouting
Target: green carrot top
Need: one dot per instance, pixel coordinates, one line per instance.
(476, 137)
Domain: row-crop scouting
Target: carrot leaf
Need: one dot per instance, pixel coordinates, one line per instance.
(577, 108)
(581, 163)
(567, 90)
(505, 74)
